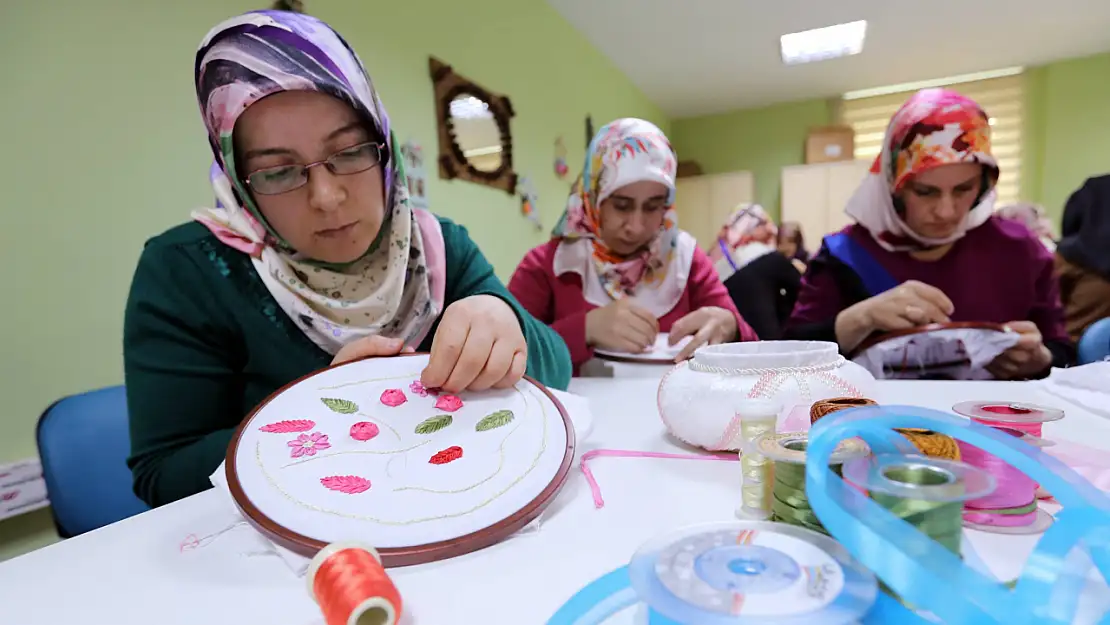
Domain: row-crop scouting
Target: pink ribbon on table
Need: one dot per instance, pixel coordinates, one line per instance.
(595, 490)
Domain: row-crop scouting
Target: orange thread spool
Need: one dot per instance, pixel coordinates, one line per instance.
(349, 583)
(829, 406)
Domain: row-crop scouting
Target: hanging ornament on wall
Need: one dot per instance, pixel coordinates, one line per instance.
(528, 200)
(589, 131)
(297, 6)
(561, 168)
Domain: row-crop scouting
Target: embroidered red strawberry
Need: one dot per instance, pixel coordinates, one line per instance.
(447, 455)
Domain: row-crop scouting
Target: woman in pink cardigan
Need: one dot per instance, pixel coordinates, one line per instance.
(618, 271)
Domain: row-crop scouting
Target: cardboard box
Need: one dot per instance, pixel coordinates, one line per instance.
(830, 144)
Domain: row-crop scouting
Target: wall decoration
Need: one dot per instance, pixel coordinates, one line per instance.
(457, 473)
(561, 168)
(297, 6)
(415, 174)
(475, 143)
(528, 199)
(589, 131)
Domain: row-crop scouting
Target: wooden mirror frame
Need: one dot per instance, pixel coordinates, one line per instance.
(452, 162)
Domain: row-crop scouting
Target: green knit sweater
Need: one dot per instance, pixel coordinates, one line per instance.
(204, 343)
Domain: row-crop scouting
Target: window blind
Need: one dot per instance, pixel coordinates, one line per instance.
(1003, 100)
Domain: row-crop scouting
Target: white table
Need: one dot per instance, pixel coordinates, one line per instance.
(134, 572)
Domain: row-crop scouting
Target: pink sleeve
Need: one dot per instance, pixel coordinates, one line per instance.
(706, 289)
(531, 285)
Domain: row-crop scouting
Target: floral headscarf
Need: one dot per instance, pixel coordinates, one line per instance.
(623, 152)
(747, 234)
(396, 289)
(934, 127)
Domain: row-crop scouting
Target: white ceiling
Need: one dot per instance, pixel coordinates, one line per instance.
(695, 57)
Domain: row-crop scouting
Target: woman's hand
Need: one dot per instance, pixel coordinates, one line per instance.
(909, 305)
(1027, 358)
(621, 325)
(708, 325)
(478, 345)
(370, 346)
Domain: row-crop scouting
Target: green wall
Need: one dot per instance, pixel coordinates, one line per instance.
(1074, 128)
(105, 148)
(762, 141)
(1067, 134)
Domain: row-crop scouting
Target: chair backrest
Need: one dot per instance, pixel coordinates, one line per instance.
(84, 442)
(1094, 345)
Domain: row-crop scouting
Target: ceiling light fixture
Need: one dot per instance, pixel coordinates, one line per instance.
(822, 44)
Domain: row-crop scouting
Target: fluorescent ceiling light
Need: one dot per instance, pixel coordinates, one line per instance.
(937, 82)
(821, 44)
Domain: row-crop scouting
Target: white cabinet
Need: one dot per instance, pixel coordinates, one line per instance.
(703, 203)
(815, 196)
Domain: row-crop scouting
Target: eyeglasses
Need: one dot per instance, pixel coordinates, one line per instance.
(286, 178)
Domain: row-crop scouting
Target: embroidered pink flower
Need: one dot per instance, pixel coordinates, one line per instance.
(308, 444)
(349, 484)
(393, 397)
(364, 431)
(450, 403)
(447, 455)
(418, 388)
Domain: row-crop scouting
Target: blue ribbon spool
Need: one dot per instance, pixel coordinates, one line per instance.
(931, 577)
(779, 574)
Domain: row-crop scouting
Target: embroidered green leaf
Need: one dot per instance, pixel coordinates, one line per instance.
(434, 424)
(494, 420)
(342, 406)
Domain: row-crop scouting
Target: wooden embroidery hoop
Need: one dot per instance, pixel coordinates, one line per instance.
(933, 327)
(400, 556)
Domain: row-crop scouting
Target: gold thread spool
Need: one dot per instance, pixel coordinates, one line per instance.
(757, 417)
(932, 444)
(829, 406)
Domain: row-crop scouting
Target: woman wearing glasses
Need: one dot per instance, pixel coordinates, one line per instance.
(313, 256)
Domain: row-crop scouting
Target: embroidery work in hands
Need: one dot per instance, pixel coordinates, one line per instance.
(311, 446)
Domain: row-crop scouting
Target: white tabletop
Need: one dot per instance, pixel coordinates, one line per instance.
(136, 573)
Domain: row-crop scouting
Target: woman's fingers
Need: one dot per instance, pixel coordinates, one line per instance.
(516, 370)
(496, 368)
(475, 354)
(700, 338)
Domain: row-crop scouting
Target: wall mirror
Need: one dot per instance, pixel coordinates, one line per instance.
(475, 142)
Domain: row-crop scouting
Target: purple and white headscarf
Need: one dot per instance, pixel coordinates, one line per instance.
(396, 290)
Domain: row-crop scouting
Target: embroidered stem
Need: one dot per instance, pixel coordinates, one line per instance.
(388, 452)
(599, 502)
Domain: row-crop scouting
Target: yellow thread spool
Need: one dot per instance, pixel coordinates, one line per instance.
(757, 417)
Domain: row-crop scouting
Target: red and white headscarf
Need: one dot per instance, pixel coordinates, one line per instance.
(934, 127)
(624, 152)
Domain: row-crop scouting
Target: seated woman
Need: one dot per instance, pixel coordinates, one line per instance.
(313, 257)
(792, 244)
(926, 247)
(1083, 256)
(618, 270)
(762, 282)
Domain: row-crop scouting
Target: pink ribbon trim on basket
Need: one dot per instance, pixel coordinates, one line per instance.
(595, 490)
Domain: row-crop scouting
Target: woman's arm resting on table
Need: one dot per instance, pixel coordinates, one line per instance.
(469, 273)
(181, 393)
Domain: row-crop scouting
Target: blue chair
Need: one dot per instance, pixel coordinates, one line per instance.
(84, 442)
(1094, 345)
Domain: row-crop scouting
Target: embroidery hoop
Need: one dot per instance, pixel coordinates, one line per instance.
(307, 546)
(925, 330)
